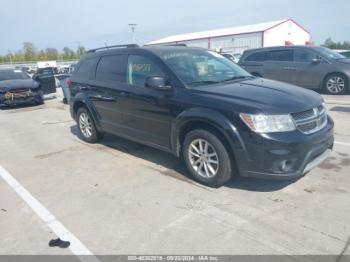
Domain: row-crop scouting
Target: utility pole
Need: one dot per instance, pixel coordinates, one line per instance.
(133, 28)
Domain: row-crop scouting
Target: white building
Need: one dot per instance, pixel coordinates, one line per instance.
(238, 39)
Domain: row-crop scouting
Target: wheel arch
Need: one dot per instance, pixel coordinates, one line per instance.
(203, 118)
(81, 101)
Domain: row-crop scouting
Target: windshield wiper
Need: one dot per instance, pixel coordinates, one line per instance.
(203, 82)
(237, 77)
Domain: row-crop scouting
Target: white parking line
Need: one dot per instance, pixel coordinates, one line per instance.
(342, 143)
(76, 246)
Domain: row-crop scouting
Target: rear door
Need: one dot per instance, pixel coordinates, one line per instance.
(46, 78)
(279, 65)
(106, 90)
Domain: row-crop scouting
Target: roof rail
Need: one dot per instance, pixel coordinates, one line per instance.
(113, 47)
(180, 44)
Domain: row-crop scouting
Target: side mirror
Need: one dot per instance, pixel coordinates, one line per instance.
(157, 83)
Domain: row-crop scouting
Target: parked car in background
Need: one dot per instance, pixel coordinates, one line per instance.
(47, 80)
(16, 87)
(197, 104)
(306, 66)
(233, 57)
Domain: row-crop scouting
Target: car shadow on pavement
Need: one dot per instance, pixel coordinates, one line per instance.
(21, 106)
(174, 167)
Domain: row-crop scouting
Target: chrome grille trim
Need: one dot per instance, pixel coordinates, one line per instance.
(312, 120)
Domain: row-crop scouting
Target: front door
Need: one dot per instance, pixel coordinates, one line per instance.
(146, 112)
(308, 73)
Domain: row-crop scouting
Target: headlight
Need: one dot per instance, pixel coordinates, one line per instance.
(268, 123)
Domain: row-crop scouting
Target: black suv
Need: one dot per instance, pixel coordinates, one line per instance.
(199, 105)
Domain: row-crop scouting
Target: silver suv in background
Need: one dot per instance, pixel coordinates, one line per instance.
(306, 66)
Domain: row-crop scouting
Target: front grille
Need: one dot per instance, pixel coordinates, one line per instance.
(312, 120)
(303, 115)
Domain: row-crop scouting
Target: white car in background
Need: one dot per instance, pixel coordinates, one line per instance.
(233, 57)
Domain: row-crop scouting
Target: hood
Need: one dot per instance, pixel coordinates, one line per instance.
(260, 95)
(8, 85)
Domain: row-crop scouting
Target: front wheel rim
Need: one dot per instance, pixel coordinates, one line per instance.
(85, 125)
(335, 85)
(203, 158)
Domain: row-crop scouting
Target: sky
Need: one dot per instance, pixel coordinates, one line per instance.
(94, 23)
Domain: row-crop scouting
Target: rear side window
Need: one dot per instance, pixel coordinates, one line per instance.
(139, 68)
(256, 57)
(86, 68)
(305, 56)
(280, 55)
(111, 68)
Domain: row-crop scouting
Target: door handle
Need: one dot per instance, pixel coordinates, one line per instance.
(104, 98)
(123, 94)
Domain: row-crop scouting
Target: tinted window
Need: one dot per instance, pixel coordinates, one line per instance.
(86, 68)
(256, 57)
(301, 55)
(280, 55)
(12, 74)
(111, 68)
(139, 68)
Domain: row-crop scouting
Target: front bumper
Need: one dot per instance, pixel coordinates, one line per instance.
(284, 155)
(36, 97)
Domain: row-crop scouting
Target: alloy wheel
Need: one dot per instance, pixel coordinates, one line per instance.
(203, 158)
(335, 84)
(85, 125)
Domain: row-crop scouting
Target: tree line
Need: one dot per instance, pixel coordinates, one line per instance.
(337, 45)
(30, 53)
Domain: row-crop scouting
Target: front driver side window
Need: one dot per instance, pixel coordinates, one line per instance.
(304, 56)
(141, 67)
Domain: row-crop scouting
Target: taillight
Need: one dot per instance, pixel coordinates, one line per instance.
(69, 83)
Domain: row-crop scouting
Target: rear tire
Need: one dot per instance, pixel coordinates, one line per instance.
(206, 158)
(86, 126)
(336, 84)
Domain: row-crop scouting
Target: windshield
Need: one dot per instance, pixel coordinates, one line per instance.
(328, 53)
(202, 67)
(12, 74)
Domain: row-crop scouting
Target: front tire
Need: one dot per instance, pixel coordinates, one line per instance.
(206, 158)
(336, 84)
(86, 126)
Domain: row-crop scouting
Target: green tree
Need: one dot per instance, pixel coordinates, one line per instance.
(80, 51)
(68, 53)
(29, 51)
(51, 53)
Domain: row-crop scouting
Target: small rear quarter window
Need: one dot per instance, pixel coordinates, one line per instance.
(86, 68)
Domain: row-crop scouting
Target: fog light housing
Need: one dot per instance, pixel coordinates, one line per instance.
(286, 165)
